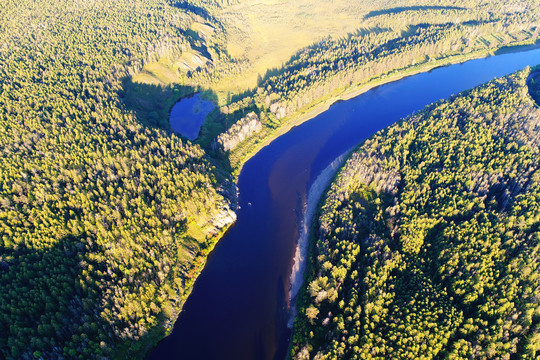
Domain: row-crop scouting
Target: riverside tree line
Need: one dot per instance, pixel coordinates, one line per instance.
(427, 243)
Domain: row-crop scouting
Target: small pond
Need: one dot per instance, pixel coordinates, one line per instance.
(240, 305)
(188, 115)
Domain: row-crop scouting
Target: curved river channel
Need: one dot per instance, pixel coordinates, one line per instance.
(239, 305)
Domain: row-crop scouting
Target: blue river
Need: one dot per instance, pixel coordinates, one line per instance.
(239, 307)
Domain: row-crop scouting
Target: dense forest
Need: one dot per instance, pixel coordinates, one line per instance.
(104, 221)
(427, 243)
(106, 217)
(388, 43)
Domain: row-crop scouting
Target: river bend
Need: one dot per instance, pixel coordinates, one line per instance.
(239, 305)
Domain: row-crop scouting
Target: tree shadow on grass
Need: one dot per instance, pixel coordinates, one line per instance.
(188, 5)
(400, 9)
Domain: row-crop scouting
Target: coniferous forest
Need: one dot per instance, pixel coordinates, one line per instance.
(107, 216)
(391, 45)
(427, 241)
(104, 221)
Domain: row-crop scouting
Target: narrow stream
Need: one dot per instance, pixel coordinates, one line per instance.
(239, 307)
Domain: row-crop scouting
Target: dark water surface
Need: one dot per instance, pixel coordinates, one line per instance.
(188, 115)
(238, 307)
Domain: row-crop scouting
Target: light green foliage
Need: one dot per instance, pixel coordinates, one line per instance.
(387, 42)
(105, 218)
(94, 206)
(429, 237)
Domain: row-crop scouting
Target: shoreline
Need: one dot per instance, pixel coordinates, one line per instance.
(237, 158)
(292, 121)
(300, 259)
(161, 332)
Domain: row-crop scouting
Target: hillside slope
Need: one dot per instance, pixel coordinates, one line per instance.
(390, 42)
(427, 244)
(104, 222)
(106, 218)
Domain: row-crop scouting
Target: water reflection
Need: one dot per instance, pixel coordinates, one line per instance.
(188, 115)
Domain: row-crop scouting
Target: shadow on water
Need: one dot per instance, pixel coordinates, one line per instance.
(260, 351)
(281, 318)
(151, 103)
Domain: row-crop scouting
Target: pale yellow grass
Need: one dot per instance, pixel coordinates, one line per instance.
(168, 71)
(269, 32)
(158, 73)
(266, 33)
(204, 30)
